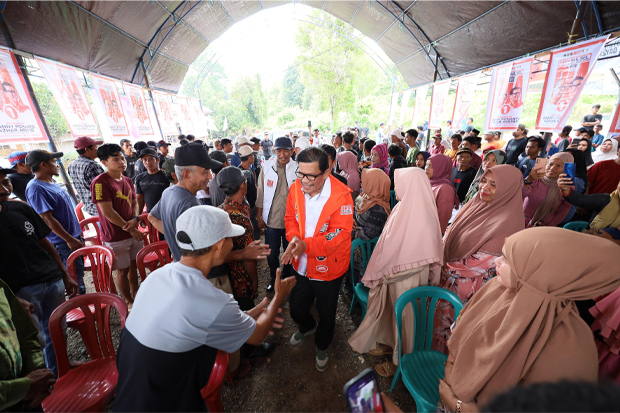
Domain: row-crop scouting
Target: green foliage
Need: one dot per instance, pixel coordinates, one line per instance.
(286, 117)
(292, 88)
(51, 111)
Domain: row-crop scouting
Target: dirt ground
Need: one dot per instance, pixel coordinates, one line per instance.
(288, 380)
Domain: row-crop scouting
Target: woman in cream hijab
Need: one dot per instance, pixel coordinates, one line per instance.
(523, 327)
(408, 255)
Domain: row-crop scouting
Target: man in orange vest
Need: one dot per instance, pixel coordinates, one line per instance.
(318, 221)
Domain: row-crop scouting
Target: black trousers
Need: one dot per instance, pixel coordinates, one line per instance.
(325, 293)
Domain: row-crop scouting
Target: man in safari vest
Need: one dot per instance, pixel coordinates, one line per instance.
(275, 178)
(319, 219)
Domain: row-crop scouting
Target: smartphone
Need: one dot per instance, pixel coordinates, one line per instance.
(575, 141)
(540, 164)
(570, 169)
(309, 123)
(362, 393)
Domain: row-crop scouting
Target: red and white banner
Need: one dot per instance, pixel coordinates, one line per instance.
(420, 97)
(465, 91)
(107, 93)
(140, 110)
(70, 96)
(163, 107)
(198, 119)
(614, 128)
(438, 103)
(509, 84)
(567, 74)
(184, 116)
(19, 121)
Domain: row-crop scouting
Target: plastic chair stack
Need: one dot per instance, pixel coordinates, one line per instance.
(212, 392)
(422, 368)
(153, 256)
(578, 226)
(360, 292)
(90, 386)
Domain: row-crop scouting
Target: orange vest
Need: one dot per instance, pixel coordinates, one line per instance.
(329, 248)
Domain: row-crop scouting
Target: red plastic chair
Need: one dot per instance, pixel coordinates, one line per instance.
(153, 256)
(151, 234)
(101, 261)
(91, 231)
(90, 386)
(78, 211)
(212, 392)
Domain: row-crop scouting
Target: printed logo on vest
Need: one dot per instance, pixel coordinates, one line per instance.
(323, 228)
(320, 258)
(269, 183)
(331, 235)
(346, 210)
(322, 268)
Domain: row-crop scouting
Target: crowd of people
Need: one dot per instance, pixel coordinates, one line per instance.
(478, 216)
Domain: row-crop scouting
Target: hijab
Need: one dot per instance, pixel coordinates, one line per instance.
(397, 249)
(473, 188)
(348, 165)
(588, 152)
(381, 149)
(599, 155)
(376, 186)
(502, 331)
(442, 173)
(500, 218)
(581, 165)
(425, 155)
(554, 196)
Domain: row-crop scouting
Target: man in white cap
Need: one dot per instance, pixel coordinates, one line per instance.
(301, 144)
(180, 320)
(236, 159)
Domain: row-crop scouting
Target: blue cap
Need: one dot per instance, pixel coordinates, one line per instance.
(283, 143)
(17, 157)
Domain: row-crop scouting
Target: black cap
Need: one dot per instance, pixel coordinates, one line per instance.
(162, 143)
(465, 150)
(283, 143)
(219, 156)
(255, 140)
(5, 171)
(148, 151)
(138, 146)
(582, 130)
(36, 156)
(152, 144)
(231, 177)
(194, 154)
(476, 131)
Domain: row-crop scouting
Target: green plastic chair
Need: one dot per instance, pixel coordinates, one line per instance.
(578, 226)
(393, 200)
(422, 368)
(360, 292)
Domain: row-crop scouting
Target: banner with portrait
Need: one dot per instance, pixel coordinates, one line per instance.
(184, 116)
(163, 107)
(465, 90)
(420, 98)
(70, 96)
(140, 110)
(438, 103)
(614, 128)
(107, 93)
(509, 84)
(19, 121)
(567, 74)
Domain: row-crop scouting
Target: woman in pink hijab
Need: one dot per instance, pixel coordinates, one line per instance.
(379, 157)
(439, 171)
(475, 240)
(348, 165)
(408, 254)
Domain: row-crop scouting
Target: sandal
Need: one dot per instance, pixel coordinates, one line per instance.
(380, 350)
(387, 369)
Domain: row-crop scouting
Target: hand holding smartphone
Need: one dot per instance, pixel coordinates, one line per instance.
(362, 393)
(540, 165)
(570, 169)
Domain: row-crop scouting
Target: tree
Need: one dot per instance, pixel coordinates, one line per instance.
(51, 111)
(293, 89)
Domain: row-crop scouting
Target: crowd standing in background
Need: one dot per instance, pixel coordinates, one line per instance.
(472, 213)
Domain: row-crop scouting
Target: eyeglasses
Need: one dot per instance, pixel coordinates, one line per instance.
(309, 177)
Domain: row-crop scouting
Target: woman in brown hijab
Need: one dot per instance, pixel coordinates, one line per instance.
(523, 326)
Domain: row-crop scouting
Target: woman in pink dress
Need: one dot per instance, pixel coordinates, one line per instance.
(606, 313)
(439, 170)
(475, 240)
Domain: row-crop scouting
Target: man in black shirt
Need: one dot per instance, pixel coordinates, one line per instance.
(162, 147)
(463, 174)
(139, 166)
(589, 121)
(130, 157)
(516, 146)
(21, 175)
(152, 183)
(31, 266)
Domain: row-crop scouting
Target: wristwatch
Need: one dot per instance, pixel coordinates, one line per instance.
(525, 182)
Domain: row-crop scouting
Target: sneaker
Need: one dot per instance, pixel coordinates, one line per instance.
(298, 337)
(322, 360)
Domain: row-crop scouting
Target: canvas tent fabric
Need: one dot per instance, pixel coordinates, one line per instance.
(118, 38)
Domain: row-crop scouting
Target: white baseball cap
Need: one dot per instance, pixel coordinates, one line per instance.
(245, 151)
(303, 143)
(203, 226)
(244, 141)
(398, 133)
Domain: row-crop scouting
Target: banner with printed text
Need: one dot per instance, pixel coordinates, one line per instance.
(420, 97)
(465, 91)
(438, 103)
(198, 119)
(19, 121)
(403, 105)
(509, 84)
(107, 93)
(614, 128)
(164, 113)
(70, 96)
(184, 116)
(567, 74)
(140, 110)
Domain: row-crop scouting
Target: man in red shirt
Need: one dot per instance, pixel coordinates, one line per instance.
(604, 176)
(117, 207)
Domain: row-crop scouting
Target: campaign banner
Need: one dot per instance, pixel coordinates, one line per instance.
(567, 74)
(140, 110)
(614, 128)
(19, 121)
(107, 93)
(465, 90)
(404, 102)
(509, 85)
(438, 103)
(184, 116)
(70, 96)
(420, 97)
(163, 108)
(198, 119)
